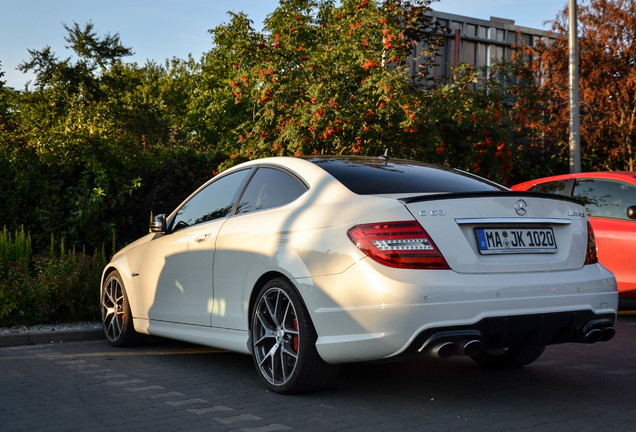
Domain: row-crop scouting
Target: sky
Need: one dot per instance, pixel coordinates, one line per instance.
(163, 29)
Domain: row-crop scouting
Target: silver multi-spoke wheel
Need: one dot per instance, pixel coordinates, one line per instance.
(276, 336)
(116, 314)
(284, 342)
(113, 309)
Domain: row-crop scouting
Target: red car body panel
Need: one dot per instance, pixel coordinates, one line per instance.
(615, 238)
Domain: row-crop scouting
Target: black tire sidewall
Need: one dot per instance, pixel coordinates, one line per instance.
(128, 335)
(308, 360)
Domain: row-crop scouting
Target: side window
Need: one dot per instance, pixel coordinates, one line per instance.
(270, 188)
(213, 202)
(605, 198)
(555, 187)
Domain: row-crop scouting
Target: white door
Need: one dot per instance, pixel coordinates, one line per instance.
(176, 271)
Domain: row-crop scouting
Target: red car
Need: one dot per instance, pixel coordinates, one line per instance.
(610, 200)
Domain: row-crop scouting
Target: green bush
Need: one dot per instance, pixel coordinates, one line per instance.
(16, 246)
(50, 288)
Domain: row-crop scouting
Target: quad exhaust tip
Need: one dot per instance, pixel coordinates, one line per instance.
(473, 347)
(447, 344)
(598, 330)
(445, 347)
(608, 333)
(593, 335)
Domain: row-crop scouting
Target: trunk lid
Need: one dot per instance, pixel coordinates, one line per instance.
(499, 232)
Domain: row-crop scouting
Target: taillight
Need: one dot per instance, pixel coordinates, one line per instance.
(398, 244)
(591, 257)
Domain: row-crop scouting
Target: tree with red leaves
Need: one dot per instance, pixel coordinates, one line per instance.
(607, 56)
(331, 79)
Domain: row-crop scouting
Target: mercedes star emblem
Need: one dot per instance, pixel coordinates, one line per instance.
(521, 207)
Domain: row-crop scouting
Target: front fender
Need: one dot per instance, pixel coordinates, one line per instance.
(126, 262)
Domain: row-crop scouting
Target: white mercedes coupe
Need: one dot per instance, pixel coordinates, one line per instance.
(308, 263)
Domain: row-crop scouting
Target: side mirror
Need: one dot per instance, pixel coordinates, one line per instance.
(158, 224)
(631, 212)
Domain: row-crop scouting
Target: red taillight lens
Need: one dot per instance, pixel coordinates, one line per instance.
(591, 256)
(398, 244)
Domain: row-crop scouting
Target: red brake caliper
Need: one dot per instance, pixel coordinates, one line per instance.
(295, 336)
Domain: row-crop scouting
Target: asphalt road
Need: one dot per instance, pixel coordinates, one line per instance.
(169, 386)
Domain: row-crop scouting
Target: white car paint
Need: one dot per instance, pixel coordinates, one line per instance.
(198, 284)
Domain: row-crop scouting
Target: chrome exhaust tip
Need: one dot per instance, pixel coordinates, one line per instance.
(608, 333)
(473, 347)
(593, 335)
(447, 344)
(597, 330)
(444, 349)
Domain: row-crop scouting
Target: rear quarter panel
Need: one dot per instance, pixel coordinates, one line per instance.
(303, 240)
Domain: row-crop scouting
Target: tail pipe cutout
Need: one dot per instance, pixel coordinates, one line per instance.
(597, 331)
(446, 344)
(471, 342)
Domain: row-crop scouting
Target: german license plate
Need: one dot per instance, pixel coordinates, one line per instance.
(515, 240)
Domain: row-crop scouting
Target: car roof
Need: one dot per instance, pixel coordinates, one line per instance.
(378, 175)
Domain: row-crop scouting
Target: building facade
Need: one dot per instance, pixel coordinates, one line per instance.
(478, 42)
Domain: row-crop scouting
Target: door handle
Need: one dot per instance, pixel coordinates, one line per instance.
(203, 238)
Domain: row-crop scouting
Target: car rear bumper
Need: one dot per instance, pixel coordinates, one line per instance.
(372, 312)
(503, 332)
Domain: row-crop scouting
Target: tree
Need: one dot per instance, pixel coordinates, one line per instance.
(327, 79)
(212, 116)
(92, 51)
(607, 55)
(94, 143)
(473, 126)
(4, 96)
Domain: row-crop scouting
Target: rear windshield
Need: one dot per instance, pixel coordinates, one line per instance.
(375, 176)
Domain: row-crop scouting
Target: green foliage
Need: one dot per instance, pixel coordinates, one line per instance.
(14, 278)
(60, 287)
(15, 255)
(471, 125)
(86, 200)
(50, 289)
(533, 155)
(98, 144)
(64, 288)
(16, 246)
(489, 121)
(327, 79)
(94, 145)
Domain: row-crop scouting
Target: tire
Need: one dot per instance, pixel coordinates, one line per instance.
(117, 320)
(283, 342)
(508, 357)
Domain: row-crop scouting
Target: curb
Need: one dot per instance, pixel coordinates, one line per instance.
(49, 337)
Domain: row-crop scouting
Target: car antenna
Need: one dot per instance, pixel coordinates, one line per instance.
(385, 156)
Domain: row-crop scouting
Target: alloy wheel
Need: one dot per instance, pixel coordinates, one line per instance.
(113, 309)
(276, 338)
